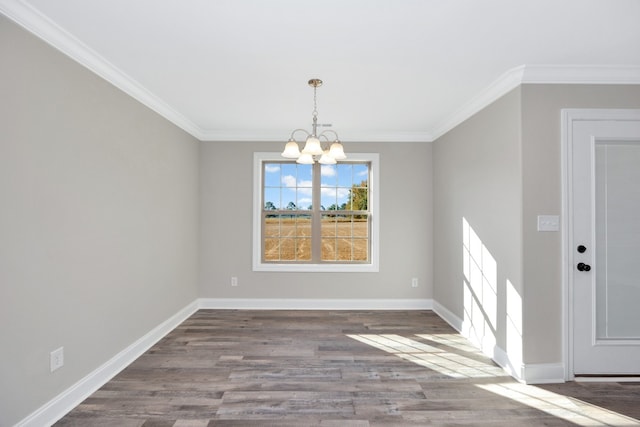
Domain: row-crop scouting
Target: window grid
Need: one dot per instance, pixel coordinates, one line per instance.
(288, 239)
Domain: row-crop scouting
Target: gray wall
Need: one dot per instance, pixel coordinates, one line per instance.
(541, 151)
(405, 236)
(477, 178)
(98, 221)
(500, 169)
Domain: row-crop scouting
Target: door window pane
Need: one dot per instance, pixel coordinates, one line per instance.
(617, 200)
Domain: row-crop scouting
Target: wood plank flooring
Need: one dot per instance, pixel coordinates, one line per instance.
(335, 368)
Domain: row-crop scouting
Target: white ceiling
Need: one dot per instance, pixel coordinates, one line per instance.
(393, 70)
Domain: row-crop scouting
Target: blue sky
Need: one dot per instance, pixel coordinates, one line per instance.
(291, 182)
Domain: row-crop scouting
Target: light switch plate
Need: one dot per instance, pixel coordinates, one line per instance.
(56, 359)
(548, 223)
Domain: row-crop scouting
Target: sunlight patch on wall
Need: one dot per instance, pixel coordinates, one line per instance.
(514, 325)
(480, 289)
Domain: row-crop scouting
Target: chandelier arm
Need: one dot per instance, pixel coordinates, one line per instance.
(307, 134)
(332, 131)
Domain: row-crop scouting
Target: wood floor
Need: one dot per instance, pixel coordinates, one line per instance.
(335, 368)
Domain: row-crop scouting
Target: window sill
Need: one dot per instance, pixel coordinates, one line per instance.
(317, 268)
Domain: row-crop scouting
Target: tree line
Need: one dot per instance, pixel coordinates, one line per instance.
(357, 200)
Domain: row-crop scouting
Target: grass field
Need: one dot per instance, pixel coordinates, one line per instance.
(289, 239)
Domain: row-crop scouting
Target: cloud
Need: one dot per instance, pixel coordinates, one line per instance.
(340, 193)
(328, 170)
(303, 187)
(271, 168)
(289, 181)
(304, 203)
(363, 173)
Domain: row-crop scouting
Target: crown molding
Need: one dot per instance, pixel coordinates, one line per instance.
(538, 74)
(35, 22)
(274, 135)
(578, 74)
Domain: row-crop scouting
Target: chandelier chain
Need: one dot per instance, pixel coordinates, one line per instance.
(315, 102)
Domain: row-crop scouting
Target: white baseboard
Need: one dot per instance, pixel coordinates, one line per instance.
(314, 304)
(543, 373)
(536, 373)
(59, 406)
(448, 316)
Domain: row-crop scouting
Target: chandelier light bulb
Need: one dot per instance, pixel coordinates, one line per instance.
(337, 151)
(291, 150)
(305, 159)
(327, 159)
(312, 146)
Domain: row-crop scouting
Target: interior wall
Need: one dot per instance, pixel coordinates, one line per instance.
(98, 221)
(542, 194)
(478, 227)
(405, 230)
(499, 170)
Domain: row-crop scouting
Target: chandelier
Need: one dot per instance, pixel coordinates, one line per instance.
(313, 150)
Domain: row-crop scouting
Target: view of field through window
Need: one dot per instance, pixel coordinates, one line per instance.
(339, 225)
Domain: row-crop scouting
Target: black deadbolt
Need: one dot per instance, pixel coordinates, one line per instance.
(582, 249)
(583, 267)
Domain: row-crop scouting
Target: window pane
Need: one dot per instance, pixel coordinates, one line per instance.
(328, 249)
(303, 249)
(328, 174)
(345, 176)
(359, 198)
(271, 226)
(360, 226)
(288, 170)
(342, 196)
(271, 249)
(303, 226)
(272, 199)
(287, 249)
(344, 226)
(344, 250)
(304, 175)
(361, 174)
(272, 174)
(304, 198)
(328, 198)
(328, 226)
(360, 249)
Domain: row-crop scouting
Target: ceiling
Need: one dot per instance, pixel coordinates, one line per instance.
(393, 70)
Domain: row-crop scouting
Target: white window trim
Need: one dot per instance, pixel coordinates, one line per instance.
(374, 203)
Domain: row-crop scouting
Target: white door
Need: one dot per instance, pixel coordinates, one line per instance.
(604, 241)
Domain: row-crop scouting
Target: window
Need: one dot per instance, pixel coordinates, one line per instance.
(315, 217)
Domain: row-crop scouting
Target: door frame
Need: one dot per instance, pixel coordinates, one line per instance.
(568, 117)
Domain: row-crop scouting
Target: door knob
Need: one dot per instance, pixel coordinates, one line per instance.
(582, 249)
(583, 267)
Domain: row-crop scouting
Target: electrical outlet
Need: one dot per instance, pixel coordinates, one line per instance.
(234, 281)
(414, 282)
(56, 359)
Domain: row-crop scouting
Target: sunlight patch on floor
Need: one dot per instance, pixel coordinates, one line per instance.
(573, 410)
(437, 359)
(458, 366)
